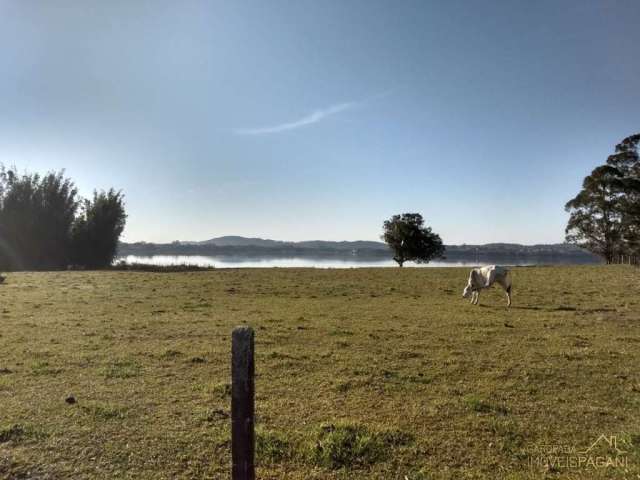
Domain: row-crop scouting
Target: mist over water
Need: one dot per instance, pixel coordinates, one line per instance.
(319, 262)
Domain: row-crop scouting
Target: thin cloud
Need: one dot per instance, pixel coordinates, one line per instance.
(310, 119)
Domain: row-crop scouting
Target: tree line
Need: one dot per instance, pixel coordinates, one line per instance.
(604, 217)
(46, 225)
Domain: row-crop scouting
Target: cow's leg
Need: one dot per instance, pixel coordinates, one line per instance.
(473, 297)
(506, 286)
(477, 297)
(491, 278)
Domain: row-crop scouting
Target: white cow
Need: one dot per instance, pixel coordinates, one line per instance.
(484, 277)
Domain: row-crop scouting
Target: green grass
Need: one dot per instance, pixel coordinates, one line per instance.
(372, 373)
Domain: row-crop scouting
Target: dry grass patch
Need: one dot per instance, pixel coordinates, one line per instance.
(369, 373)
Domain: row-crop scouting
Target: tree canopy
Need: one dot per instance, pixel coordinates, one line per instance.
(410, 240)
(44, 224)
(97, 229)
(605, 215)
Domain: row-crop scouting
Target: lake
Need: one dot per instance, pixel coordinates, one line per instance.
(343, 262)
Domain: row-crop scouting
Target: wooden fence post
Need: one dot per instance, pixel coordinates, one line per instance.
(242, 404)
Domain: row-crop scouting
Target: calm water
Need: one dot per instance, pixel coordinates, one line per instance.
(257, 262)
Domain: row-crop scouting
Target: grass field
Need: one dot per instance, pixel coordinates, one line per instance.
(372, 373)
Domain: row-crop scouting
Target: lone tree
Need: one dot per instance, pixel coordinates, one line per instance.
(410, 240)
(605, 215)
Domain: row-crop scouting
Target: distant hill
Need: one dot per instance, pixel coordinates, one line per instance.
(235, 241)
(515, 248)
(344, 245)
(243, 246)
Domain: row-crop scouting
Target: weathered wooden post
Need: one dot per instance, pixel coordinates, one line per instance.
(242, 404)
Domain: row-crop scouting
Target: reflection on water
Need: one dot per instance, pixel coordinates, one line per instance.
(349, 262)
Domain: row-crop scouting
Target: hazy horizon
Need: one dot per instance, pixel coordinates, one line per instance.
(319, 120)
(325, 240)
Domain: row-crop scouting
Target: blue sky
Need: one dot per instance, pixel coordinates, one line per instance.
(306, 120)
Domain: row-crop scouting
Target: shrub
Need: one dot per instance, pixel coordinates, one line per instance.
(350, 445)
(272, 447)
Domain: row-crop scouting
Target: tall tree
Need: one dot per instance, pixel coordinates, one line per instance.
(410, 240)
(97, 229)
(626, 160)
(36, 215)
(595, 221)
